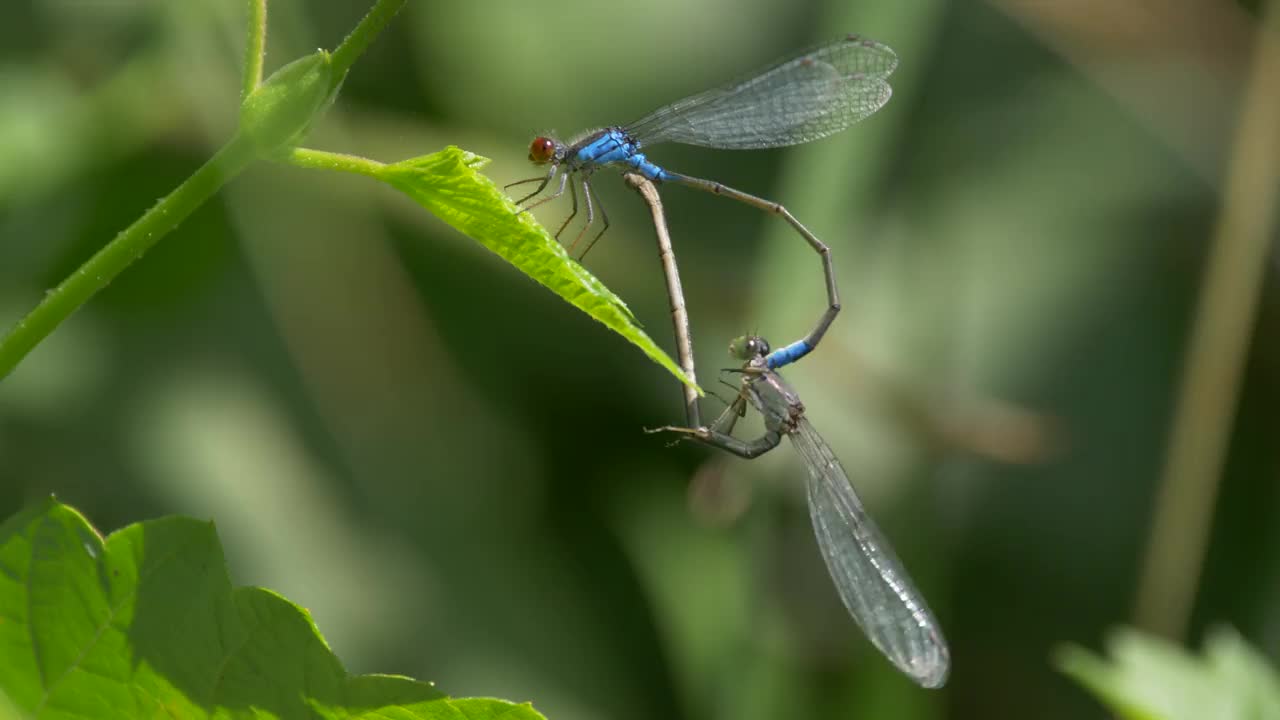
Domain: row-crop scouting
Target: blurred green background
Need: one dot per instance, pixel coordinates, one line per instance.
(444, 462)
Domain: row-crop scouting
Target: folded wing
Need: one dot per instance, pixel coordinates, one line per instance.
(869, 577)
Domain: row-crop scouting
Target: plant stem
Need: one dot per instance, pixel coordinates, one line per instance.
(155, 223)
(321, 160)
(362, 35)
(1237, 268)
(255, 48)
(129, 245)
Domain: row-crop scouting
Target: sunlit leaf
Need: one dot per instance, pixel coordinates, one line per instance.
(449, 185)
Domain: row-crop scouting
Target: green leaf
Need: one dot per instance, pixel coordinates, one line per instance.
(447, 184)
(146, 624)
(1148, 678)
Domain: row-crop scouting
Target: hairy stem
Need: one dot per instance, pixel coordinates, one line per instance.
(255, 46)
(362, 35)
(341, 162)
(97, 272)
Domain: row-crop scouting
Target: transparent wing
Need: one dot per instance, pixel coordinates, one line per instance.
(815, 94)
(867, 574)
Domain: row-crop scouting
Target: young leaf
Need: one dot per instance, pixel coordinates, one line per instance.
(447, 184)
(278, 112)
(146, 624)
(1148, 678)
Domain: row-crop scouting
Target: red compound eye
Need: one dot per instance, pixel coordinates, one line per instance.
(542, 149)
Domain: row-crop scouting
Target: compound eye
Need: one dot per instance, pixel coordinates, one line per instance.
(748, 347)
(542, 150)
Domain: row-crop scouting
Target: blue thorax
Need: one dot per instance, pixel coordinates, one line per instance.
(610, 146)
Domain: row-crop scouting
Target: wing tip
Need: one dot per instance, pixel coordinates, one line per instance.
(891, 57)
(930, 670)
(934, 679)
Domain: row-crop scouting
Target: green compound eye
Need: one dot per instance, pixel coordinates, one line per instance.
(748, 346)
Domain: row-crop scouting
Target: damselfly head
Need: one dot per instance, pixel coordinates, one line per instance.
(542, 150)
(748, 347)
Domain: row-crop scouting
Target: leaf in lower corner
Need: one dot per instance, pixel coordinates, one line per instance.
(146, 624)
(448, 184)
(1149, 678)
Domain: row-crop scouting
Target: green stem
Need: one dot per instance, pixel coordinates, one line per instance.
(362, 35)
(255, 46)
(1235, 274)
(129, 245)
(321, 160)
(133, 241)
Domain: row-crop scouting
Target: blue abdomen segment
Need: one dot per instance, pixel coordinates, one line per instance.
(787, 355)
(613, 146)
(646, 168)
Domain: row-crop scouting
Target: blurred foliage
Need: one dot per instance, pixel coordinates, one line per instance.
(1147, 678)
(145, 623)
(446, 465)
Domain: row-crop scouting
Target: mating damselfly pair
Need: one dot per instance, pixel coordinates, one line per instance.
(818, 92)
